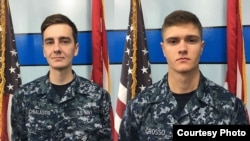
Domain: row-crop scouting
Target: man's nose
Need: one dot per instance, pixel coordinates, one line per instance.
(56, 47)
(183, 47)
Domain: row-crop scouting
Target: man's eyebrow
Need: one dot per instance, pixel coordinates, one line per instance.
(64, 37)
(193, 35)
(171, 38)
(47, 39)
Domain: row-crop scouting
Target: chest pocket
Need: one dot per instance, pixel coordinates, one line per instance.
(41, 120)
(87, 119)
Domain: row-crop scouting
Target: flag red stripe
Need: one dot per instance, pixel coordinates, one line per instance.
(236, 80)
(236, 77)
(231, 44)
(104, 45)
(4, 117)
(96, 43)
(100, 58)
(120, 107)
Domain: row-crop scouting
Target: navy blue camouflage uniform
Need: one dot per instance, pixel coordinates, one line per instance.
(81, 114)
(151, 115)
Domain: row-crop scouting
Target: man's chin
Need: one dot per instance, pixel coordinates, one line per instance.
(58, 67)
(184, 70)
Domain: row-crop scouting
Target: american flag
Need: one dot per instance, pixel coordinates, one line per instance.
(136, 69)
(10, 78)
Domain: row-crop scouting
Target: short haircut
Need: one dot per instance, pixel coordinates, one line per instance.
(180, 17)
(59, 19)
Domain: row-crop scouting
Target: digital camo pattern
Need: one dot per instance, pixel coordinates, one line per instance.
(82, 114)
(152, 114)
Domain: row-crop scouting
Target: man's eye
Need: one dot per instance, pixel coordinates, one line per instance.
(48, 42)
(172, 41)
(65, 41)
(192, 40)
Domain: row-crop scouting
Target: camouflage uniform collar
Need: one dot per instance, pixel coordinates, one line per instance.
(46, 85)
(205, 92)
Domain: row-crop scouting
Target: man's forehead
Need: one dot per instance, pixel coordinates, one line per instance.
(181, 31)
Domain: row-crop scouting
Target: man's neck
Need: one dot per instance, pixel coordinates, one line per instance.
(61, 77)
(183, 82)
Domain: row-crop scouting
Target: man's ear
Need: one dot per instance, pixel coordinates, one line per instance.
(202, 47)
(162, 48)
(77, 49)
(44, 54)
